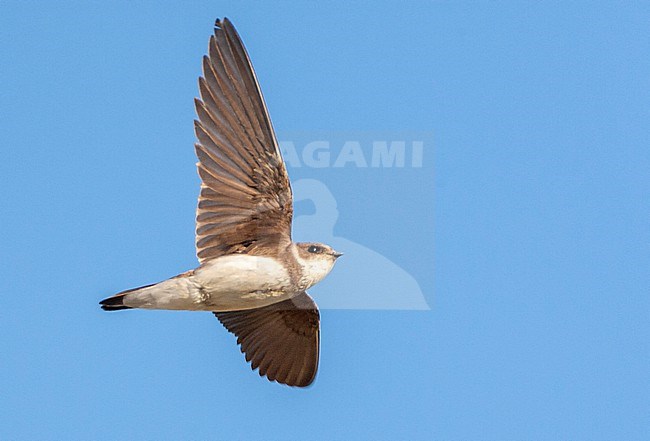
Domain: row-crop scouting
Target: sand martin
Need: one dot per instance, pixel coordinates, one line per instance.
(252, 276)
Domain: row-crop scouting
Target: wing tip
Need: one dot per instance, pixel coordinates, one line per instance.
(222, 23)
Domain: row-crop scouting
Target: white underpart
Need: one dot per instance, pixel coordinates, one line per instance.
(314, 269)
(227, 283)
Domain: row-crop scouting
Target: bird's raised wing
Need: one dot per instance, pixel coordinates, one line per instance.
(245, 201)
(282, 339)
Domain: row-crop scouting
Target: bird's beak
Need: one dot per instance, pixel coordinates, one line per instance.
(336, 254)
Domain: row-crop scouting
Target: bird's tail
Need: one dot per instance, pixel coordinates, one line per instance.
(116, 302)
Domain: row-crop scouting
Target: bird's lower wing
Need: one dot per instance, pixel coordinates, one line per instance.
(282, 339)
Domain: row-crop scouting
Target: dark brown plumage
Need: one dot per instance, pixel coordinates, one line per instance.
(281, 339)
(245, 205)
(245, 196)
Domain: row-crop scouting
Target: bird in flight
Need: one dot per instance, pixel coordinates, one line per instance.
(252, 276)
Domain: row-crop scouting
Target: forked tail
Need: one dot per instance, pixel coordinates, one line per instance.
(116, 302)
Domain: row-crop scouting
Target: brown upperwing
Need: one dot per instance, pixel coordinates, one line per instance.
(245, 202)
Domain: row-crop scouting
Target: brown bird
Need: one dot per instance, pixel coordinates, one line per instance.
(252, 276)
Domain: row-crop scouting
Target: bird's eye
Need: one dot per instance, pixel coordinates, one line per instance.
(314, 249)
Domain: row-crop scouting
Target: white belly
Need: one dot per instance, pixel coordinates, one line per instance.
(224, 284)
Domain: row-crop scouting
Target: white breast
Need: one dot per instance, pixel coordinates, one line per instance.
(242, 274)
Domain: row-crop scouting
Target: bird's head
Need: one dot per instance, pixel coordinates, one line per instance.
(316, 259)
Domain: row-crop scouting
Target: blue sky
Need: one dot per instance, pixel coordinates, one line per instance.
(525, 229)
